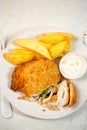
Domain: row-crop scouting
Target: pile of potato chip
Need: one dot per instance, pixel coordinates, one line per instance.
(49, 45)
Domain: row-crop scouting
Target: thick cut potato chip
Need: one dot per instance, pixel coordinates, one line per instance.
(26, 52)
(33, 45)
(50, 39)
(67, 35)
(57, 33)
(67, 47)
(47, 45)
(55, 37)
(20, 51)
(58, 49)
(17, 58)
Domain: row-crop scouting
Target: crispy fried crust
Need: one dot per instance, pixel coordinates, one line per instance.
(31, 78)
(73, 94)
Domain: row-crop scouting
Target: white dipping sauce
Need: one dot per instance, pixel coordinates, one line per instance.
(72, 66)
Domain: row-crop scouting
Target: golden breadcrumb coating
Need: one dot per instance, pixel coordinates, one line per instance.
(33, 77)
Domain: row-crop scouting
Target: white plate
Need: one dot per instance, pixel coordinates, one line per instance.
(32, 108)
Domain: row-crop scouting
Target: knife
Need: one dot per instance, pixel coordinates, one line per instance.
(6, 108)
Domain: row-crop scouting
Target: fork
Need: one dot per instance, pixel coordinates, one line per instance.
(6, 109)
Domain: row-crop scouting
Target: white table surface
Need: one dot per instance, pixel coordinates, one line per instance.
(16, 15)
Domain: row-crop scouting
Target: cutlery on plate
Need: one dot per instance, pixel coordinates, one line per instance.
(6, 106)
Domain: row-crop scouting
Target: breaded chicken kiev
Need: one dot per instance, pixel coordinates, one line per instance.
(66, 94)
(35, 76)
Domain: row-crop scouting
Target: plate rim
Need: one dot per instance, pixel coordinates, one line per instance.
(29, 114)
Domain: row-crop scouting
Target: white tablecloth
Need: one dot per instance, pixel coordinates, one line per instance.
(16, 15)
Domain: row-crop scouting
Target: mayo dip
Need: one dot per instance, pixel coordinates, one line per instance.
(73, 66)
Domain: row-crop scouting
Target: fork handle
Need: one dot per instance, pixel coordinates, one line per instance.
(6, 108)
